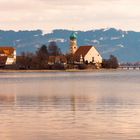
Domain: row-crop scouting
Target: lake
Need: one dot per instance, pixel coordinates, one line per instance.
(102, 105)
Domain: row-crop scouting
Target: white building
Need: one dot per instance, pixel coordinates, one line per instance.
(87, 54)
(7, 55)
(84, 54)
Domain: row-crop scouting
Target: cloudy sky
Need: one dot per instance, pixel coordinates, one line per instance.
(69, 14)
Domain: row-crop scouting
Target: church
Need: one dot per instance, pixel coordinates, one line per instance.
(84, 54)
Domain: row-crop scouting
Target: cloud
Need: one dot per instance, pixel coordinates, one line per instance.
(81, 15)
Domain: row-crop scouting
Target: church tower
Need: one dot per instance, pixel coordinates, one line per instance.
(73, 43)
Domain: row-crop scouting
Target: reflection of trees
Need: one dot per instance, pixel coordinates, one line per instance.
(110, 100)
(111, 103)
(62, 102)
(73, 103)
(59, 102)
(7, 99)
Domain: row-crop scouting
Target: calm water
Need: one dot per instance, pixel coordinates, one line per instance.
(70, 106)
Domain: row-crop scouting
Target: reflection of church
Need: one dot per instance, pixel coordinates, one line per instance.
(87, 54)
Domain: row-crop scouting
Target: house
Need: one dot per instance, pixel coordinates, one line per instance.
(7, 55)
(57, 60)
(87, 54)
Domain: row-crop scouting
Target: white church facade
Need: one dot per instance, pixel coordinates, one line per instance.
(88, 54)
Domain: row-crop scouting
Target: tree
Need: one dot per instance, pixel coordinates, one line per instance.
(42, 57)
(112, 62)
(25, 60)
(70, 58)
(53, 49)
(42, 51)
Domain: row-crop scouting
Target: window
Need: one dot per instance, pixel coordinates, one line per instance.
(92, 59)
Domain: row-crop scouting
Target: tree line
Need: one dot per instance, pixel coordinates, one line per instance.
(111, 63)
(39, 59)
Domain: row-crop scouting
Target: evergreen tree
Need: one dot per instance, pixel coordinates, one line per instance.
(42, 57)
(53, 49)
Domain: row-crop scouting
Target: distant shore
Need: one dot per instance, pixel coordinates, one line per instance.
(43, 71)
(67, 70)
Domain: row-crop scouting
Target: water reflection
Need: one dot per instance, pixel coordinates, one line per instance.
(44, 101)
(68, 102)
(72, 106)
(7, 99)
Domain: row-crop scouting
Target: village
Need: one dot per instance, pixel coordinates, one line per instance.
(79, 57)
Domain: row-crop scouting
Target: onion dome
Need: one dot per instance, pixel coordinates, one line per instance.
(73, 36)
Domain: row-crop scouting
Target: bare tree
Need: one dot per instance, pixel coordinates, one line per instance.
(112, 62)
(25, 60)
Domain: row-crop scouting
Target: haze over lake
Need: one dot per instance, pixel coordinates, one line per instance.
(102, 105)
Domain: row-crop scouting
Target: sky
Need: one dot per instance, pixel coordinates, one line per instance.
(69, 14)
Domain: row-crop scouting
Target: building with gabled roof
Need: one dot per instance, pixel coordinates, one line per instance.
(61, 59)
(83, 54)
(87, 54)
(7, 55)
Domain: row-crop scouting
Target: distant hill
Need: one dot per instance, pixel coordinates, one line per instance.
(123, 44)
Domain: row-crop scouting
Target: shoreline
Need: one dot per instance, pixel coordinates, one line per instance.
(54, 71)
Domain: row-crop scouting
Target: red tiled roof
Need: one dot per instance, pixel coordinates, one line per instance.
(82, 51)
(6, 50)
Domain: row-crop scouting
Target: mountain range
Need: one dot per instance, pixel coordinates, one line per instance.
(125, 45)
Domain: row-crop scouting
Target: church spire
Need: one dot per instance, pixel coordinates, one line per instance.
(73, 43)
